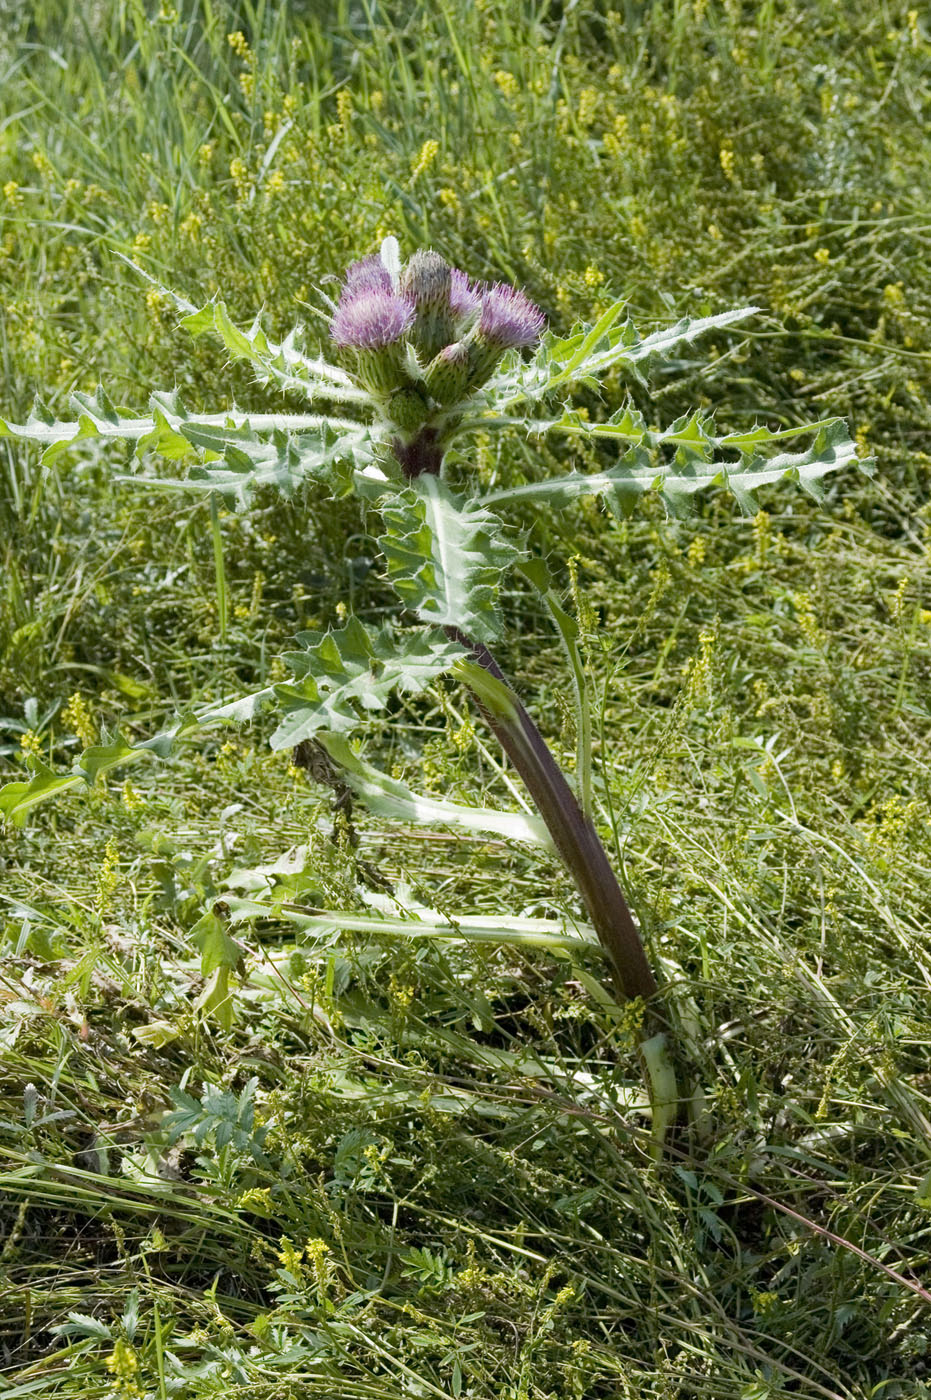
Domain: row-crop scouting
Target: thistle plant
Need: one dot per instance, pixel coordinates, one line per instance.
(423, 358)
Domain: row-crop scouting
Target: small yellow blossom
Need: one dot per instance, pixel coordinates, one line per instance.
(30, 745)
(506, 82)
(589, 103)
(190, 227)
(237, 42)
(12, 194)
(822, 255)
(108, 876)
(728, 162)
(695, 553)
(344, 107)
(274, 185)
(428, 154)
(593, 276)
(76, 717)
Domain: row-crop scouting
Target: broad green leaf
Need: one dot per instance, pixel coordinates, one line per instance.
(446, 556)
(693, 469)
(215, 1000)
(156, 1034)
(216, 947)
(342, 676)
(389, 798)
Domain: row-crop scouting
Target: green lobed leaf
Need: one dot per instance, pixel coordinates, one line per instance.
(238, 461)
(341, 676)
(589, 352)
(446, 556)
(694, 468)
(170, 430)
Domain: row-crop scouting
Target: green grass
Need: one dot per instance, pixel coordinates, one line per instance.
(453, 1194)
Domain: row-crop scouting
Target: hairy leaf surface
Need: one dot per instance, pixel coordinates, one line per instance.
(695, 467)
(341, 676)
(446, 556)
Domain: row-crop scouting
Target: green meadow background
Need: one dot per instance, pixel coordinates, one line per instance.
(407, 1169)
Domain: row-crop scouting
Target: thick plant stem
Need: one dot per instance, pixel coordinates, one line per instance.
(577, 842)
(573, 834)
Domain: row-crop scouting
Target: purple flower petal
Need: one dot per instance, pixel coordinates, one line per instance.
(509, 318)
(371, 318)
(464, 298)
(367, 275)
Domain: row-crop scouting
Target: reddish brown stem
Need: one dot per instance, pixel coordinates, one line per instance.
(573, 835)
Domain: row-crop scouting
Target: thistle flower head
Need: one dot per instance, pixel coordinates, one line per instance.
(371, 318)
(367, 275)
(508, 318)
(464, 298)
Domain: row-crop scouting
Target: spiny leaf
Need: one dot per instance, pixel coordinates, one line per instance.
(693, 469)
(18, 798)
(446, 556)
(237, 461)
(169, 429)
(339, 677)
(589, 352)
(340, 673)
(283, 364)
(392, 799)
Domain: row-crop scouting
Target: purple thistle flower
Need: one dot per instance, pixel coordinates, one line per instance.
(367, 275)
(464, 298)
(509, 318)
(371, 318)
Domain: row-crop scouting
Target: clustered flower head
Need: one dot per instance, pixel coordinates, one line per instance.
(422, 338)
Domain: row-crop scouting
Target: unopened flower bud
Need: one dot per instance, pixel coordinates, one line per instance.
(426, 279)
(407, 410)
(447, 375)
